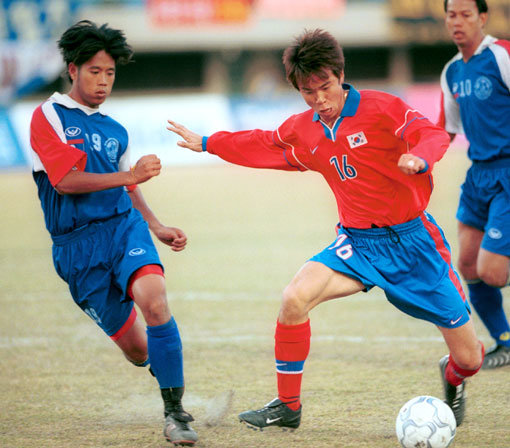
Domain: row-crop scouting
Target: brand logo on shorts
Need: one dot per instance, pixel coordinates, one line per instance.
(72, 131)
(453, 322)
(494, 233)
(137, 251)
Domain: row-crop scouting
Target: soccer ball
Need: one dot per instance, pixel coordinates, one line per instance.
(425, 422)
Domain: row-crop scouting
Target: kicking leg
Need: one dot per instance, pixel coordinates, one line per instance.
(313, 284)
(465, 359)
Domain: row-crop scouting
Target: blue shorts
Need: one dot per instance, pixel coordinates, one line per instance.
(411, 262)
(485, 203)
(97, 260)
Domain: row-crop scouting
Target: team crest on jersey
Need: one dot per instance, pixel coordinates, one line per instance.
(72, 131)
(357, 139)
(112, 149)
(483, 88)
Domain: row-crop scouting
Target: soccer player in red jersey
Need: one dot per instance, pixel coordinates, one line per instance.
(376, 153)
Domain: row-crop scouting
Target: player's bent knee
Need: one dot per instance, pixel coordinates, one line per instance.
(293, 304)
(467, 269)
(156, 310)
(494, 278)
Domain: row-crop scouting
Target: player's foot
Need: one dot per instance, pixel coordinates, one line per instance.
(496, 356)
(275, 413)
(177, 429)
(455, 396)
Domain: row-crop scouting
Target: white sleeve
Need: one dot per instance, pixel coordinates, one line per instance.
(450, 108)
(502, 55)
(125, 160)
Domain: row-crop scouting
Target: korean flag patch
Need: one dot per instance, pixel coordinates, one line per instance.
(357, 139)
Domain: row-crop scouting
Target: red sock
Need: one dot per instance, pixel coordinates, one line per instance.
(455, 374)
(292, 344)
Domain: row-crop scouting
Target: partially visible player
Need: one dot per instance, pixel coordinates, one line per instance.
(102, 247)
(376, 153)
(476, 102)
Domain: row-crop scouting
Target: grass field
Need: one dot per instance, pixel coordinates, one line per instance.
(64, 384)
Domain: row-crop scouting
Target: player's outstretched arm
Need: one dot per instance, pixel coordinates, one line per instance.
(191, 140)
(171, 236)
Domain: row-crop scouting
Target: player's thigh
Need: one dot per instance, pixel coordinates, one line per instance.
(470, 239)
(315, 283)
(463, 345)
(134, 342)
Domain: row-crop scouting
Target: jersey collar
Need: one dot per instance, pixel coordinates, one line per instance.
(487, 41)
(67, 101)
(351, 103)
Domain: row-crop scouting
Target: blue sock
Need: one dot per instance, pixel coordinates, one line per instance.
(165, 353)
(488, 303)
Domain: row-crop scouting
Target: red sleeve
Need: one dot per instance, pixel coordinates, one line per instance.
(57, 157)
(425, 139)
(259, 149)
(441, 122)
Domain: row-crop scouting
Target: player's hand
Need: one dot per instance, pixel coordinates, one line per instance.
(191, 140)
(411, 164)
(146, 168)
(171, 236)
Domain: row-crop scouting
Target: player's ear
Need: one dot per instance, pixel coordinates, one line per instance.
(483, 18)
(341, 78)
(72, 69)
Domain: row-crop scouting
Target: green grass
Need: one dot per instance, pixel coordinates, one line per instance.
(64, 384)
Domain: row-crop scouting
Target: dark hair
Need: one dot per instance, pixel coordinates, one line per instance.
(480, 4)
(84, 39)
(312, 53)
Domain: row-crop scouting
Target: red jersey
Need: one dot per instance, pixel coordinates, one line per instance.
(358, 156)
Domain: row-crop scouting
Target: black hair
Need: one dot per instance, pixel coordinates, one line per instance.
(83, 40)
(480, 4)
(312, 53)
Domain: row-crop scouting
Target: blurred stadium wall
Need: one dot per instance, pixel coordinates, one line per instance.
(216, 64)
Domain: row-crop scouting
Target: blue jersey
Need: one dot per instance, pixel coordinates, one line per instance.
(66, 135)
(476, 99)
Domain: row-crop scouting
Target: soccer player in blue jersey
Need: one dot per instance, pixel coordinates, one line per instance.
(476, 102)
(99, 221)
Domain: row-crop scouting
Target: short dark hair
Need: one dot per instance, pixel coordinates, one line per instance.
(312, 53)
(480, 4)
(83, 40)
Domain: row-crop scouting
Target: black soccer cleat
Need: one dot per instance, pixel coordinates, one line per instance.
(275, 413)
(178, 431)
(455, 396)
(496, 356)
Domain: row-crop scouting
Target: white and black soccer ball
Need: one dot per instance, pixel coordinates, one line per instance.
(425, 422)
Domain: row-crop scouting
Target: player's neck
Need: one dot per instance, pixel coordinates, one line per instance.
(469, 49)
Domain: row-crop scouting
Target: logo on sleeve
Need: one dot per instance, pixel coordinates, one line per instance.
(72, 131)
(357, 139)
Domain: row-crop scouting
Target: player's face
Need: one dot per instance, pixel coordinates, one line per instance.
(464, 23)
(93, 81)
(324, 95)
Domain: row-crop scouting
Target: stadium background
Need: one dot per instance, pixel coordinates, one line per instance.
(216, 64)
